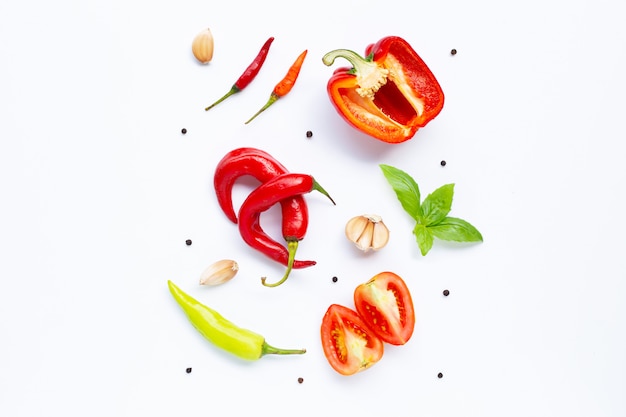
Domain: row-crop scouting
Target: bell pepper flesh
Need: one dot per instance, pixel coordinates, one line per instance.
(404, 99)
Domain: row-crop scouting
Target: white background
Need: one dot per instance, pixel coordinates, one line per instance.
(100, 190)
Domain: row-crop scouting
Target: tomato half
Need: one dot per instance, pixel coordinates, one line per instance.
(385, 304)
(349, 345)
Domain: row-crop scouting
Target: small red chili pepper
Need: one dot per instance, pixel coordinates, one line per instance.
(389, 95)
(285, 85)
(249, 74)
(262, 166)
(264, 197)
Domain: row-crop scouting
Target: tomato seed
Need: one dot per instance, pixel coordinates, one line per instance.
(188, 242)
(188, 370)
(300, 380)
(184, 131)
(446, 293)
(439, 375)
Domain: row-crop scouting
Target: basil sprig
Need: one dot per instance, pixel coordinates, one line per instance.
(431, 215)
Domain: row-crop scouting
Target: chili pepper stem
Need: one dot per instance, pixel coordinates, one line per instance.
(318, 187)
(232, 91)
(268, 349)
(292, 246)
(272, 100)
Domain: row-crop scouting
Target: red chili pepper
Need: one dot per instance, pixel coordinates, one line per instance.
(264, 197)
(285, 85)
(237, 163)
(249, 74)
(389, 95)
(262, 166)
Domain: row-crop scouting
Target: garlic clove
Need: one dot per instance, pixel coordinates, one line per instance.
(219, 272)
(202, 46)
(380, 236)
(364, 241)
(367, 232)
(355, 227)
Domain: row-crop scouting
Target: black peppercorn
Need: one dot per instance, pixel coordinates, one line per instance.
(300, 380)
(453, 52)
(184, 131)
(188, 242)
(446, 293)
(188, 370)
(439, 375)
(443, 163)
(335, 279)
(309, 134)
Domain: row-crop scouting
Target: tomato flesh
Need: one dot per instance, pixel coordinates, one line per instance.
(385, 304)
(349, 345)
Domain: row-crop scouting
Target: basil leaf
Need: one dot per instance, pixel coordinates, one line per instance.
(424, 238)
(437, 205)
(456, 230)
(406, 190)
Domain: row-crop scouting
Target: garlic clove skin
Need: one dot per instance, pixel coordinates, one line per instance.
(219, 272)
(367, 232)
(202, 46)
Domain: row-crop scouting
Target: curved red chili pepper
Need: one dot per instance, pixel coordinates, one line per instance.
(262, 199)
(248, 75)
(263, 167)
(237, 163)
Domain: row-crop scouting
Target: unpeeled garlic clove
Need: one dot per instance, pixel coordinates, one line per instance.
(367, 232)
(219, 272)
(202, 46)
(380, 236)
(355, 227)
(364, 242)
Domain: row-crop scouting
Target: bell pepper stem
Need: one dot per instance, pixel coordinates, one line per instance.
(272, 100)
(232, 91)
(268, 349)
(292, 246)
(369, 74)
(358, 62)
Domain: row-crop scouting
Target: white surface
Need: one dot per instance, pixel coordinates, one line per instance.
(100, 191)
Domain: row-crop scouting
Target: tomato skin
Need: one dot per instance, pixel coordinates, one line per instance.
(385, 304)
(349, 345)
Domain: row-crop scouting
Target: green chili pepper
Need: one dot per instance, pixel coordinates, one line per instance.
(224, 334)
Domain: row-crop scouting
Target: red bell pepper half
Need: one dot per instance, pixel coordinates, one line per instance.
(389, 95)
